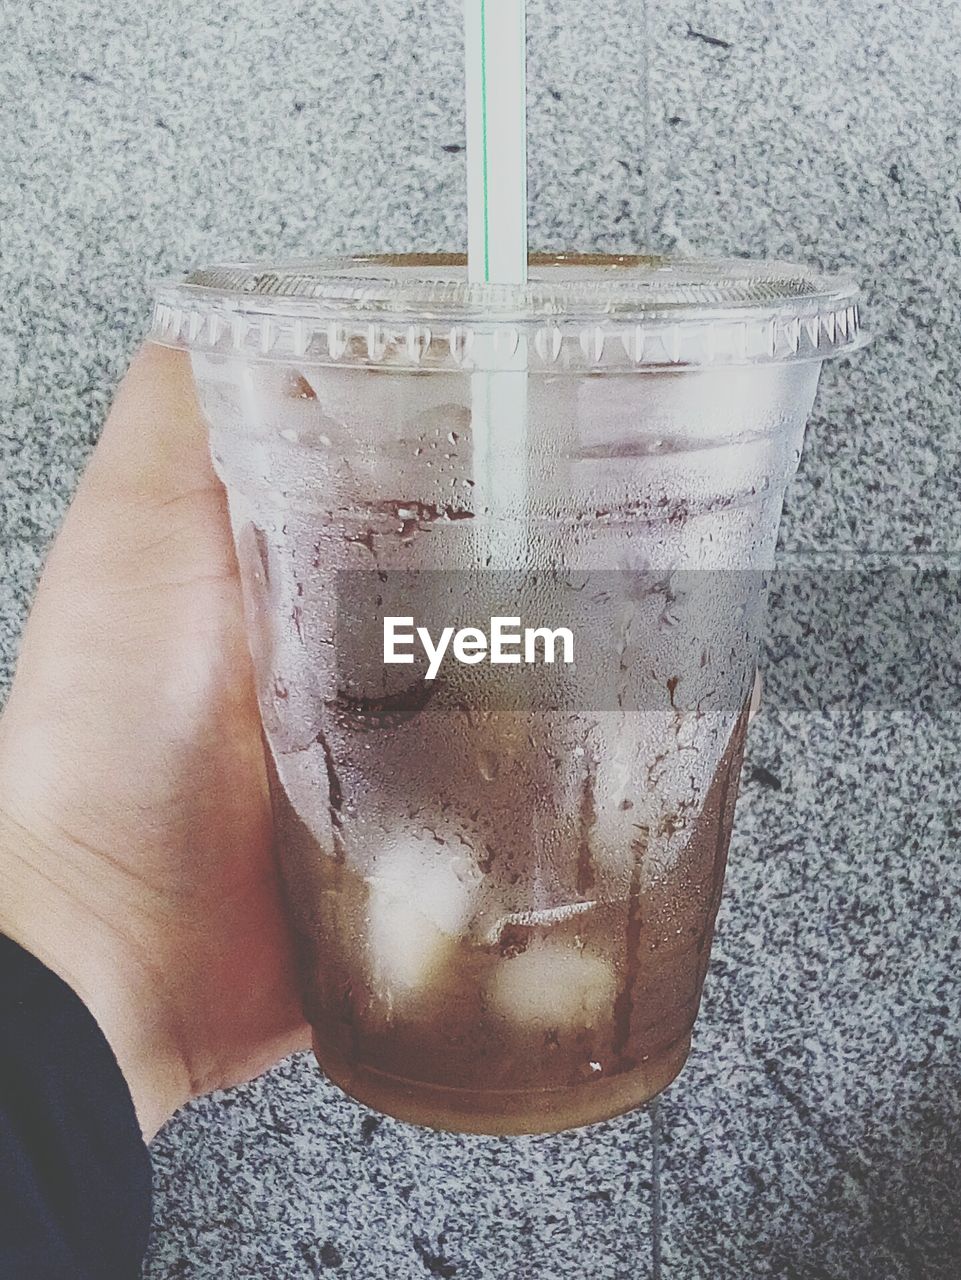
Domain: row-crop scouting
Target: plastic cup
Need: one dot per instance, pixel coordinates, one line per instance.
(503, 905)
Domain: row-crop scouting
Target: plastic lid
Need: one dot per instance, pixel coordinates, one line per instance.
(575, 312)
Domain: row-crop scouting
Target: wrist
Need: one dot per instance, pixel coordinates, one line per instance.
(58, 908)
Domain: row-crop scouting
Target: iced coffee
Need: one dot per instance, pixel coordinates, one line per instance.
(503, 903)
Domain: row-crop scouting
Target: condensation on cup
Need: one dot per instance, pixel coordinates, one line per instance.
(503, 912)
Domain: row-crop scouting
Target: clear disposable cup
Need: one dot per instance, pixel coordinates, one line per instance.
(503, 880)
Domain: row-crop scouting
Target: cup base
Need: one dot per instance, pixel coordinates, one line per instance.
(502, 1113)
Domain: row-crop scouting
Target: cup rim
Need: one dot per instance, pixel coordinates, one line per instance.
(661, 310)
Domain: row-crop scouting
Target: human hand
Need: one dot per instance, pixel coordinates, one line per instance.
(134, 816)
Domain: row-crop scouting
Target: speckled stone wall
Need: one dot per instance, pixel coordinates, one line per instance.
(815, 1131)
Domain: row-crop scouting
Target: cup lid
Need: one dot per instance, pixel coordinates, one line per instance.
(576, 312)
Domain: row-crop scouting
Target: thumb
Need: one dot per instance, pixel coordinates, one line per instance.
(145, 554)
(153, 447)
(149, 510)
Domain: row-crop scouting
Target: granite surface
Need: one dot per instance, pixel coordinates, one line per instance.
(815, 1131)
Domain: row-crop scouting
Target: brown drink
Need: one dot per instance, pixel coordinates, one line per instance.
(527, 1027)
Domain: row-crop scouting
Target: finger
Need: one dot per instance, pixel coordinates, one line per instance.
(154, 444)
(149, 509)
(145, 550)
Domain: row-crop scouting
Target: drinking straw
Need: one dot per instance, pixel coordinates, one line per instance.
(496, 52)
(496, 82)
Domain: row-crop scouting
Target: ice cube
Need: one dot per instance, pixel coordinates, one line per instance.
(551, 985)
(422, 895)
(625, 805)
(435, 873)
(408, 952)
(652, 775)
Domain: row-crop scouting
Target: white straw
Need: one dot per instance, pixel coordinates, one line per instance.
(496, 52)
(496, 67)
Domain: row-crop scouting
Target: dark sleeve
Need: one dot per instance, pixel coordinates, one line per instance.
(74, 1170)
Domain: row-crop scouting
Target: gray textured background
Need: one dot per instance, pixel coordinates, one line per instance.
(815, 1130)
